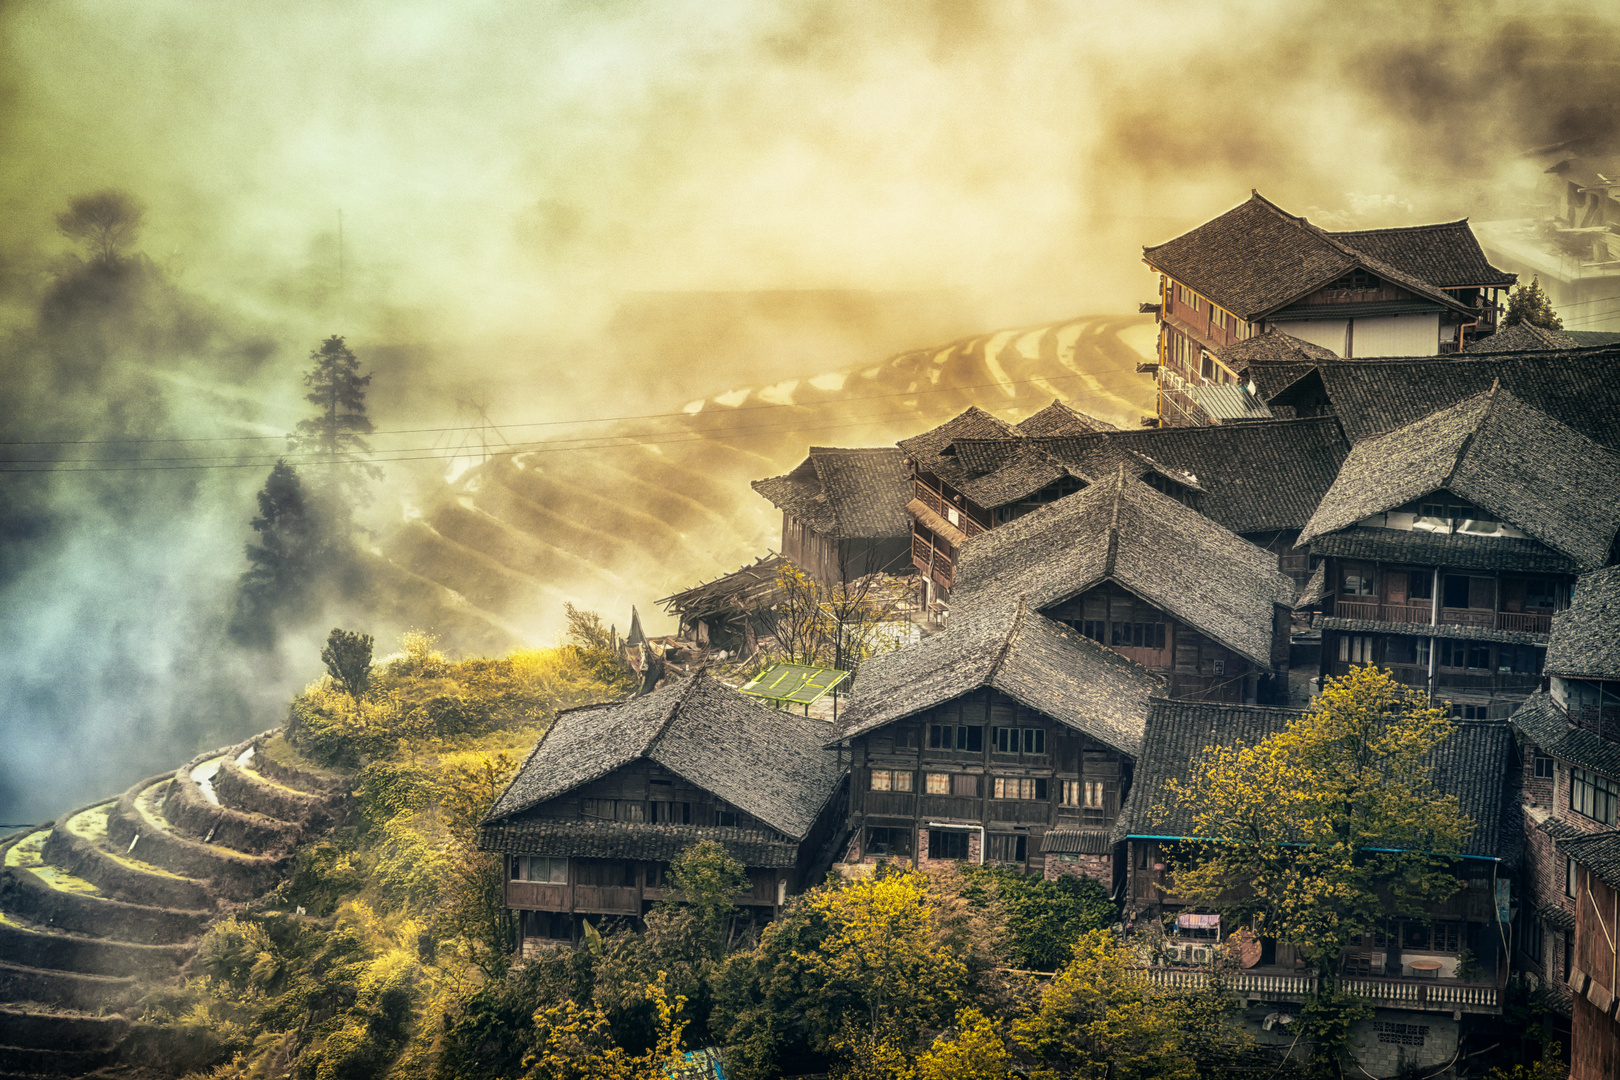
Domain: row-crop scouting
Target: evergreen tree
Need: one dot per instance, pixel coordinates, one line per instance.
(1529, 304)
(283, 564)
(347, 656)
(334, 439)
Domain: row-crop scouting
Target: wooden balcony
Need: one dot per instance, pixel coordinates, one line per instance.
(1416, 994)
(1421, 614)
(532, 896)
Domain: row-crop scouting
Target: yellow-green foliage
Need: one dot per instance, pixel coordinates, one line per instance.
(418, 696)
(1331, 824)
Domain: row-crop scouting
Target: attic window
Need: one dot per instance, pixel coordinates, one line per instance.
(1356, 279)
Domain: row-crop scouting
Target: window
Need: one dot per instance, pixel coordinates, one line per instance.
(1008, 849)
(1531, 939)
(596, 808)
(1471, 712)
(1356, 279)
(891, 780)
(888, 842)
(1358, 583)
(1593, 795)
(632, 811)
(1071, 793)
(726, 819)
(1011, 740)
(1569, 954)
(1094, 794)
(1540, 593)
(539, 869)
(1456, 593)
(1095, 629)
(1144, 855)
(1419, 585)
(1544, 767)
(939, 783)
(1474, 654)
(672, 813)
(969, 737)
(1013, 787)
(1572, 879)
(1438, 937)
(1479, 655)
(1206, 366)
(1407, 650)
(1138, 635)
(947, 844)
(1355, 649)
(905, 737)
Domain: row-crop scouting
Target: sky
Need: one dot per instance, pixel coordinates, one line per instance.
(472, 190)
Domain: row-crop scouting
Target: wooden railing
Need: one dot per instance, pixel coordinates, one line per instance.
(612, 899)
(1436, 995)
(1422, 613)
(533, 896)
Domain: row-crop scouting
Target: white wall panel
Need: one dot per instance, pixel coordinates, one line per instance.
(1397, 335)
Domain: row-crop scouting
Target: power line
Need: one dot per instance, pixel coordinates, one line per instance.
(1583, 303)
(586, 420)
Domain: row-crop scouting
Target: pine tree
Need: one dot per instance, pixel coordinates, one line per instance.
(334, 439)
(282, 566)
(1529, 304)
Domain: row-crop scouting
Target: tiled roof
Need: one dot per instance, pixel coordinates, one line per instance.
(1070, 840)
(1059, 419)
(1124, 531)
(769, 763)
(849, 494)
(1275, 348)
(1545, 724)
(1445, 254)
(1599, 853)
(1580, 387)
(1045, 665)
(1525, 337)
(1515, 461)
(1315, 590)
(1473, 764)
(1255, 258)
(630, 840)
(1458, 551)
(1255, 476)
(1228, 402)
(1586, 636)
(987, 460)
(1449, 631)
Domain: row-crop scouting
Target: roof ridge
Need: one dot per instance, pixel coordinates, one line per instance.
(1113, 523)
(674, 711)
(1007, 640)
(1468, 440)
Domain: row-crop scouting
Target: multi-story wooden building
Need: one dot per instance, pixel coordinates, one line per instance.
(844, 513)
(612, 793)
(1005, 739)
(1449, 544)
(1570, 739)
(1150, 578)
(953, 500)
(1257, 268)
(1594, 971)
(1412, 972)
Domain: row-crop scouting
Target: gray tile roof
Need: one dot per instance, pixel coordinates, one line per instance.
(844, 493)
(630, 840)
(972, 423)
(1315, 589)
(1586, 635)
(1071, 840)
(996, 472)
(1459, 551)
(1255, 476)
(1525, 337)
(1047, 666)
(1473, 764)
(1498, 453)
(1444, 630)
(1445, 254)
(1060, 419)
(1545, 724)
(1275, 347)
(1599, 853)
(769, 763)
(1123, 531)
(1256, 258)
(1579, 387)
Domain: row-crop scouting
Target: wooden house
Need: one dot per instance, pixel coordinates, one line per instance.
(1593, 978)
(1570, 739)
(1006, 739)
(1449, 544)
(1144, 575)
(612, 793)
(730, 612)
(844, 513)
(1412, 970)
(1256, 269)
(954, 498)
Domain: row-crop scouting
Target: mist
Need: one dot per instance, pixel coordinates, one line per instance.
(483, 197)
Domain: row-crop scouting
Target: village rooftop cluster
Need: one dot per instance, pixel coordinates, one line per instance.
(1351, 464)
